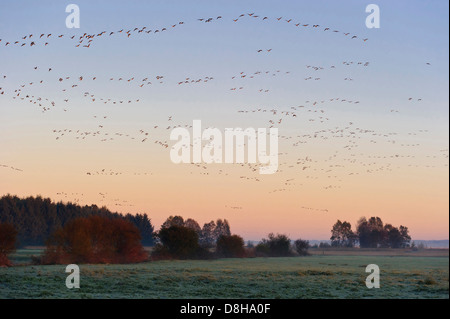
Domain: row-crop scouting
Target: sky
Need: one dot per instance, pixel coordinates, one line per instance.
(363, 125)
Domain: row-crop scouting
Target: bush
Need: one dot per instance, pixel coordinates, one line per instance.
(230, 246)
(262, 249)
(8, 236)
(95, 239)
(179, 242)
(301, 246)
(250, 252)
(274, 246)
(160, 252)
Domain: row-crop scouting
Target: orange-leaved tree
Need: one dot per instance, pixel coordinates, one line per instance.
(95, 239)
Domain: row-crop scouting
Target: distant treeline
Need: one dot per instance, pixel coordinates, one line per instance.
(370, 233)
(36, 218)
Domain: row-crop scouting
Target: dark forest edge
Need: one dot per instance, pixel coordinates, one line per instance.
(37, 218)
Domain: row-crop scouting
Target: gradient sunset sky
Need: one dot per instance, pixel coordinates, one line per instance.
(368, 137)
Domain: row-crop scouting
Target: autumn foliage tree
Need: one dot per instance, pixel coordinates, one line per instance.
(7, 243)
(95, 239)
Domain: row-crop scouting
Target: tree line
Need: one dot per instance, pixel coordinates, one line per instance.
(36, 219)
(102, 239)
(89, 234)
(185, 239)
(370, 233)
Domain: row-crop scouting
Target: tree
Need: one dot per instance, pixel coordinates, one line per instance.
(173, 221)
(342, 235)
(301, 246)
(406, 238)
(373, 234)
(7, 243)
(95, 239)
(212, 231)
(363, 232)
(230, 246)
(179, 241)
(222, 229)
(192, 224)
(207, 237)
(370, 232)
(396, 237)
(144, 224)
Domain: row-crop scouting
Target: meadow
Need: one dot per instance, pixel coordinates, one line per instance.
(321, 275)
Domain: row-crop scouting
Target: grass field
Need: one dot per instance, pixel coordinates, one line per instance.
(317, 276)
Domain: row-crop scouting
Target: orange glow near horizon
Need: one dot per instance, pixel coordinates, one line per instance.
(416, 200)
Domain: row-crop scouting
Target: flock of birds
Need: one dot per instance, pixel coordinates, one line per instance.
(110, 172)
(67, 83)
(347, 157)
(11, 167)
(80, 198)
(86, 40)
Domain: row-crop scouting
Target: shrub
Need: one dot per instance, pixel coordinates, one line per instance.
(301, 246)
(160, 252)
(230, 246)
(274, 246)
(95, 239)
(203, 253)
(250, 252)
(8, 236)
(428, 281)
(324, 245)
(262, 249)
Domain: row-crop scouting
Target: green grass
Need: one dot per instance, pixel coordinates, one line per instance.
(297, 277)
